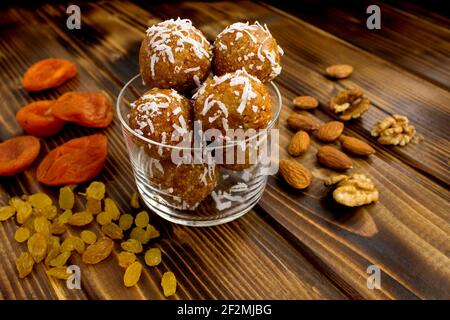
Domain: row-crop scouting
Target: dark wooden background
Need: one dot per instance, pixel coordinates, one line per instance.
(293, 245)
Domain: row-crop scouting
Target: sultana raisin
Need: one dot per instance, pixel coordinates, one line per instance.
(138, 234)
(113, 231)
(73, 243)
(7, 212)
(126, 221)
(103, 218)
(22, 234)
(153, 257)
(126, 258)
(93, 206)
(52, 254)
(112, 209)
(66, 198)
(132, 274)
(59, 273)
(88, 236)
(50, 212)
(80, 219)
(53, 242)
(37, 246)
(38, 120)
(42, 225)
(84, 156)
(132, 245)
(142, 219)
(96, 190)
(134, 201)
(48, 73)
(58, 228)
(24, 264)
(40, 200)
(17, 154)
(98, 251)
(151, 232)
(61, 259)
(169, 284)
(65, 216)
(24, 211)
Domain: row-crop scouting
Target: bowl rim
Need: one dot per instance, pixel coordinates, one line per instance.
(272, 122)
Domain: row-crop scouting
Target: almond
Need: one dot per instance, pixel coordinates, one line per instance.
(356, 146)
(339, 71)
(330, 131)
(299, 143)
(305, 102)
(333, 158)
(298, 122)
(295, 174)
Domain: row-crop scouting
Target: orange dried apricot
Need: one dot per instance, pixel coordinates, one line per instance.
(75, 161)
(37, 119)
(48, 73)
(89, 109)
(17, 154)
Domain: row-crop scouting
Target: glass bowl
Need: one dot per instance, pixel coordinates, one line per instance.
(235, 191)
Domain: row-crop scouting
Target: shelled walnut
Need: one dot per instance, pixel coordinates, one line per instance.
(349, 104)
(394, 130)
(354, 190)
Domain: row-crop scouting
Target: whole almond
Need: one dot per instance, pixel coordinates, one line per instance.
(299, 143)
(295, 174)
(356, 146)
(305, 102)
(339, 71)
(330, 131)
(333, 158)
(298, 122)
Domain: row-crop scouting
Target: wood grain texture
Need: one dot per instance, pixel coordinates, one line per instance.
(294, 245)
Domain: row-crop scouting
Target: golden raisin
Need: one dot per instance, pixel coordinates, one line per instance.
(113, 231)
(64, 217)
(126, 221)
(61, 259)
(142, 219)
(169, 284)
(24, 211)
(24, 264)
(73, 243)
(132, 245)
(58, 228)
(37, 246)
(151, 232)
(88, 236)
(138, 234)
(126, 258)
(96, 190)
(59, 273)
(40, 200)
(103, 218)
(112, 209)
(66, 198)
(153, 257)
(53, 242)
(132, 274)
(80, 219)
(7, 212)
(134, 201)
(98, 251)
(22, 234)
(42, 225)
(49, 212)
(52, 254)
(93, 206)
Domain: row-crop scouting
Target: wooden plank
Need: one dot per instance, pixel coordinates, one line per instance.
(243, 259)
(409, 226)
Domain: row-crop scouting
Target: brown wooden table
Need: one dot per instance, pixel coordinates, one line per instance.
(293, 245)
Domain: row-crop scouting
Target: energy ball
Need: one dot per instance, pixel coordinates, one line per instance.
(233, 101)
(174, 54)
(249, 46)
(163, 116)
(184, 185)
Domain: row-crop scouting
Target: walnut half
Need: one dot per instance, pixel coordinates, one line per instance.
(394, 130)
(354, 190)
(349, 104)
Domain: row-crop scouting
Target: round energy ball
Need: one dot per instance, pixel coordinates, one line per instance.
(174, 54)
(249, 46)
(184, 185)
(163, 116)
(233, 101)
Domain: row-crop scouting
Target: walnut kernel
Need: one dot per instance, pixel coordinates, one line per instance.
(394, 130)
(349, 104)
(354, 190)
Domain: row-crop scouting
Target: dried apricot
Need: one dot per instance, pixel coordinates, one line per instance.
(22, 234)
(37, 246)
(17, 154)
(134, 201)
(61, 259)
(112, 209)
(24, 264)
(38, 120)
(96, 190)
(7, 212)
(66, 198)
(113, 231)
(126, 258)
(142, 219)
(48, 73)
(75, 161)
(88, 236)
(169, 284)
(98, 251)
(126, 221)
(89, 109)
(153, 257)
(132, 274)
(80, 219)
(132, 245)
(59, 273)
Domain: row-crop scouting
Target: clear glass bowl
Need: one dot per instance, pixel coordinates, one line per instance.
(235, 193)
